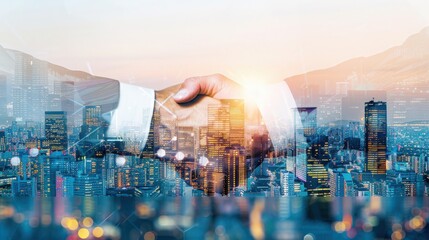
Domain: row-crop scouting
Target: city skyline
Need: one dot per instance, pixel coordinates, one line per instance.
(55, 132)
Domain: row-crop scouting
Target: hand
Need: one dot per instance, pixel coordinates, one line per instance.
(187, 104)
(216, 86)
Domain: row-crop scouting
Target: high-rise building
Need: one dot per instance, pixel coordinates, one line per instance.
(56, 130)
(352, 104)
(392, 188)
(149, 148)
(375, 137)
(3, 99)
(201, 143)
(186, 141)
(225, 128)
(305, 127)
(287, 182)
(341, 183)
(260, 146)
(236, 167)
(64, 185)
(30, 88)
(24, 187)
(2, 141)
(306, 121)
(47, 177)
(92, 127)
(88, 185)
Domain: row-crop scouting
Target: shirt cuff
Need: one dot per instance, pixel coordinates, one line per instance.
(277, 105)
(132, 118)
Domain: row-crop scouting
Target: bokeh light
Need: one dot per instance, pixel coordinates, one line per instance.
(203, 161)
(161, 153)
(87, 222)
(120, 161)
(83, 233)
(180, 156)
(15, 161)
(34, 152)
(98, 232)
(149, 236)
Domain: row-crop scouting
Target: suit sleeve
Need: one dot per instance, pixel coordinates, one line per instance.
(277, 106)
(132, 118)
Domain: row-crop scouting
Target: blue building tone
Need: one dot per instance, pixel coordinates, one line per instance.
(375, 137)
(54, 141)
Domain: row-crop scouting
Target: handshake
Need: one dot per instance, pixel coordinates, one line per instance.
(202, 128)
(187, 104)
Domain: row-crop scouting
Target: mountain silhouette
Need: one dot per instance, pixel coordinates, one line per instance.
(402, 72)
(399, 75)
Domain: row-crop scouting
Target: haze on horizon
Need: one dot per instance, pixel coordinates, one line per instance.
(160, 43)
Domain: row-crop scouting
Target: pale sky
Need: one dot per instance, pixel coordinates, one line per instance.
(161, 43)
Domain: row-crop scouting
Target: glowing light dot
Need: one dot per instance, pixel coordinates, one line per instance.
(34, 152)
(149, 236)
(309, 237)
(398, 235)
(180, 156)
(203, 161)
(64, 222)
(339, 227)
(120, 161)
(15, 161)
(161, 153)
(72, 224)
(98, 232)
(174, 139)
(83, 233)
(143, 210)
(87, 222)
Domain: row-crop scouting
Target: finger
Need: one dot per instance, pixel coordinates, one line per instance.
(188, 91)
(192, 87)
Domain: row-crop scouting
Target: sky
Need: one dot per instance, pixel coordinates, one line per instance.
(161, 43)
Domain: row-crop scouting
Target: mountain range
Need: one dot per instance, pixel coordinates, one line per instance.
(398, 75)
(402, 72)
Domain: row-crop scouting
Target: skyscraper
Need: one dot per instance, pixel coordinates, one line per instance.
(308, 118)
(88, 185)
(351, 105)
(287, 180)
(24, 187)
(64, 185)
(30, 91)
(3, 99)
(225, 128)
(92, 127)
(375, 136)
(341, 183)
(305, 127)
(2, 141)
(236, 167)
(186, 140)
(56, 130)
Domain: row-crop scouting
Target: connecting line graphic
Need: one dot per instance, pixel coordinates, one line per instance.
(78, 103)
(184, 231)
(132, 224)
(83, 138)
(161, 104)
(107, 218)
(93, 147)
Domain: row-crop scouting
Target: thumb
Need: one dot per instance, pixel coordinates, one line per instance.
(188, 91)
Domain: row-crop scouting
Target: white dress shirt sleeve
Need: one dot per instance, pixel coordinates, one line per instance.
(277, 106)
(132, 118)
